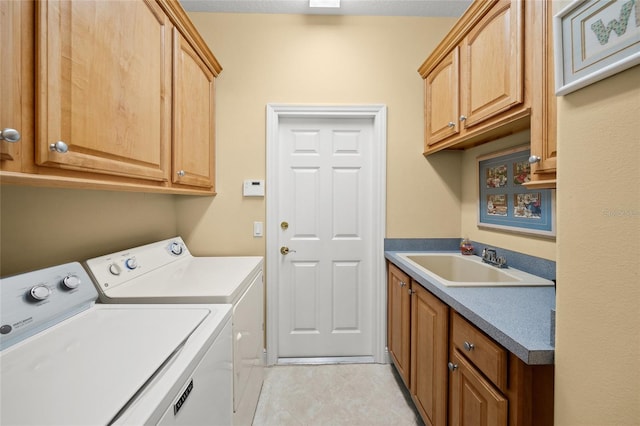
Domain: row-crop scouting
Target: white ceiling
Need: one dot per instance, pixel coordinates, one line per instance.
(451, 8)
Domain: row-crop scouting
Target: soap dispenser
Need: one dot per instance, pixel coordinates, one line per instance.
(466, 247)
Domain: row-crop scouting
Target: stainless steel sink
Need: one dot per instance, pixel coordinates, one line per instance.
(456, 270)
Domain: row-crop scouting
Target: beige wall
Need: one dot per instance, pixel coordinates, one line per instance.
(598, 293)
(42, 227)
(298, 59)
(533, 245)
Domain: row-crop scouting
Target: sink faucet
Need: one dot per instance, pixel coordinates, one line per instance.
(491, 257)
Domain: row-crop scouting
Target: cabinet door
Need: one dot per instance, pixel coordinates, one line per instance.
(16, 86)
(429, 349)
(473, 400)
(442, 100)
(492, 64)
(399, 320)
(104, 87)
(193, 115)
(544, 107)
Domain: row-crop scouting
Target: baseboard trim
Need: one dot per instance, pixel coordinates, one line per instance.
(326, 360)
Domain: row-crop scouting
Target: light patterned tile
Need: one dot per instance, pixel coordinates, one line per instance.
(334, 395)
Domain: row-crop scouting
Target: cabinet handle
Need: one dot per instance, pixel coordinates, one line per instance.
(452, 366)
(59, 147)
(469, 346)
(451, 124)
(181, 173)
(534, 159)
(10, 135)
(463, 117)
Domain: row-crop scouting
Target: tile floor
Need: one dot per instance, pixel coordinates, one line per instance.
(334, 395)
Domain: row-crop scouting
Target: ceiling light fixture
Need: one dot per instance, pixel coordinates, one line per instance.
(324, 3)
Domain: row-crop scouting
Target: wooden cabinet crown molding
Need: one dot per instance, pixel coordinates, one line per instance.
(460, 29)
(180, 18)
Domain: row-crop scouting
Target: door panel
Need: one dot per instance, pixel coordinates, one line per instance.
(325, 191)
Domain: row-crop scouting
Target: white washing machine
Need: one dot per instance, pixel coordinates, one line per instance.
(68, 361)
(166, 272)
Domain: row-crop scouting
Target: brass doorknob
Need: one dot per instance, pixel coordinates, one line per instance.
(285, 250)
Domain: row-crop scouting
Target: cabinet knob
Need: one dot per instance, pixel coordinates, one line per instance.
(451, 124)
(534, 159)
(402, 284)
(59, 147)
(181, 173)
(469, 346)
(10, 135)
(452, 366)
(463, 117)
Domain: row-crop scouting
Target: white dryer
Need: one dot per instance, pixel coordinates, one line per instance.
(166, 272)
(68, 361)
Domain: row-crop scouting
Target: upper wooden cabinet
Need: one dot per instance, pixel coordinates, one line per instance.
(103, 87)
(543, 102)
(491, 76)
(442, 100)
(491, 80)
(124, 95)
(16, 82)
(193, 117)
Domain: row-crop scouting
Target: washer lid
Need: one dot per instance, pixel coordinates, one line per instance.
(84, 370)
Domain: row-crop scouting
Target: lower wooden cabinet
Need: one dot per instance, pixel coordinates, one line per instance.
(429, 328)
(474, 400)
(456, 374)
(399, 320)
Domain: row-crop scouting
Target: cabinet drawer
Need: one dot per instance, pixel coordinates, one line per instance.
(489, 357)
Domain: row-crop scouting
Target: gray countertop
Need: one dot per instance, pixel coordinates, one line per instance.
(519, 318)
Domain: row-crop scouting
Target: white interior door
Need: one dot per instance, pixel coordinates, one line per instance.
(325, 190)
(326, 179)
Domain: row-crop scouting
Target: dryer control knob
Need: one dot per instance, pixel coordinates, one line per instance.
(115, 269)
(131, 263)
(40, 292)
(71, 281)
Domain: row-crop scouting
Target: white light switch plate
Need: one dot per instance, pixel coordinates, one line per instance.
(257, 229)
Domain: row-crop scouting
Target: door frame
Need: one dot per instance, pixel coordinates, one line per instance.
(379, 163)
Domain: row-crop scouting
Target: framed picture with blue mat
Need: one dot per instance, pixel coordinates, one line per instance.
(504, 203)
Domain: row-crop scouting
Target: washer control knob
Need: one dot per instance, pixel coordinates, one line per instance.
(40, 292)
(176, 248)
(115, 269)
(131, 263)
(71, 281)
